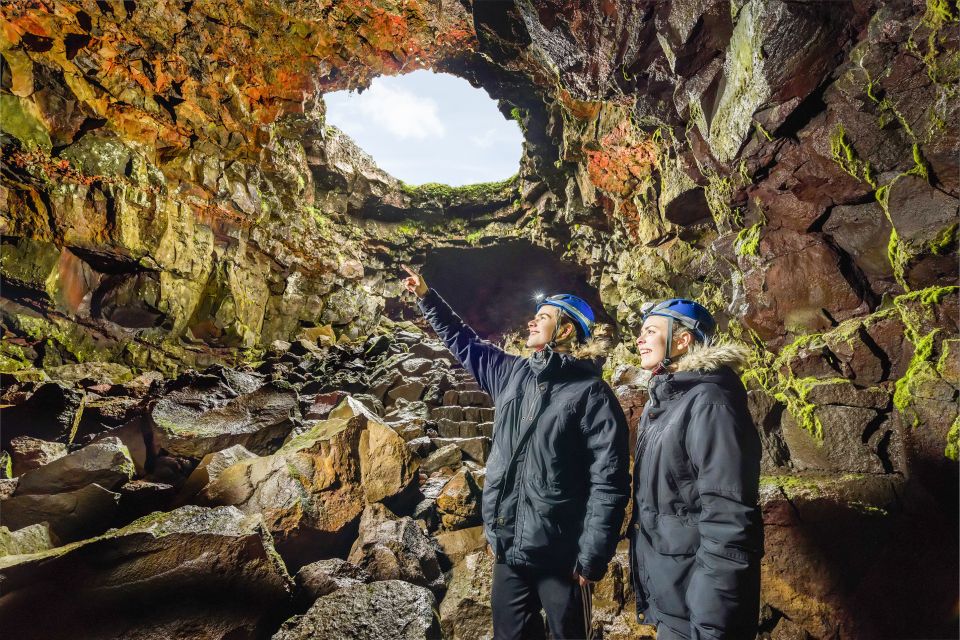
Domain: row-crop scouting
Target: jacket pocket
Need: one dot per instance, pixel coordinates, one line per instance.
(671, 536)
(548, 525)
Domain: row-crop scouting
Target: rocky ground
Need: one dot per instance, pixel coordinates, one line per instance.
(173, 203)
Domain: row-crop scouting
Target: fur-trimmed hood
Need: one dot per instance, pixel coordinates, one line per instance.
(713, 358)
(592, 349)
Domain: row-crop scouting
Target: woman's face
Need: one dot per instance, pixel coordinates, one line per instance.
(652, 342)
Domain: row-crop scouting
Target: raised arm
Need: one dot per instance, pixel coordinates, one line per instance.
(489, 364)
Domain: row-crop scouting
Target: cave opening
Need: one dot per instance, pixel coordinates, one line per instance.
(427, 127)
(493, 288)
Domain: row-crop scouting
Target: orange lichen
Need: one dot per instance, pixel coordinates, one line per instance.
(623, 163)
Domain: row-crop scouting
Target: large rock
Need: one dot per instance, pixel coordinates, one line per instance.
(323, 577)
(31, 539)
(106, 463)
(388, 610)
(459, 501)
(206, 573)
(28, 453)
(211, 467)
(844, 447)
(465, 611)
(309, 492)
(392, 548)
(72, 515)
(259, 421)
(835, 557)
(51, 413)
(387, 465)
(456, 545)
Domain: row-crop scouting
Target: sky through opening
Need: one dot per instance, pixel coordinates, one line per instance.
(429, 127)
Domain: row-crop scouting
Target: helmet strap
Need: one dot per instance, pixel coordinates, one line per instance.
(667, 360)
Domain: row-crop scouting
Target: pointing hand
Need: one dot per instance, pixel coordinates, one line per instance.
(414, 282)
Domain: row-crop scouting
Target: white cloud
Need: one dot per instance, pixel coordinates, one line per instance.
(400, 112)
(485, 140)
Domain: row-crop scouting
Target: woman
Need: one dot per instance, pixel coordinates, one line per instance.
(696, 533)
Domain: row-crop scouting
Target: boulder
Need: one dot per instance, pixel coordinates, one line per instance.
(28, 453)
(309, 492)
(259, 421)
(106, 463)
(459, 501)
(34, 538)
(844, 447)
(446, 456)
(131, 435)
(211, 467)
(392, 548)
(408, 391)
(72, 515)
(476, 449)
(323, 577)
(387, 465)
(465, 610)
(51, 413)
(457, 545)
(388, 610)
(174, 561)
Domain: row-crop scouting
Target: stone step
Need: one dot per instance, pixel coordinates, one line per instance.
(457, 428)
(466, 398)
(448, 413)
(486, 429)
(476, 448)
(478, 414)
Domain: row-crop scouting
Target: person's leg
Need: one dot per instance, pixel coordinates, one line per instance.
(566, 606)
(515, 604)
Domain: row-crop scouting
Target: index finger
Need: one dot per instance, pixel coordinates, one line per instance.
(409, 270)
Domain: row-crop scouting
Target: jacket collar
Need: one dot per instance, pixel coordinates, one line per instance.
(551, 365)
(701, 364)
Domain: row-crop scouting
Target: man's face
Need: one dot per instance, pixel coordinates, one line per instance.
(541, 327)
(652, 342)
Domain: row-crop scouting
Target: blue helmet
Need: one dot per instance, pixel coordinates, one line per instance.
(690, 314)
(575, 308)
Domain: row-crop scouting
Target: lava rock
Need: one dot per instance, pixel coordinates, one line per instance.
(28, 453)
(51, 413)
(387, 610)
(174, 560)
(106, 463)
(392, 548)
(465, 611)
(259, 421)
(323, 577)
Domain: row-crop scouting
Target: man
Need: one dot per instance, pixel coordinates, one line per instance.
(696, 532)
(557, 478)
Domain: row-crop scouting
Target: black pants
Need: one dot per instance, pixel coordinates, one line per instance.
(519, 593)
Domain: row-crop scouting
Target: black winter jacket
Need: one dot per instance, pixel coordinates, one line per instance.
(697, 532)
(557, 480)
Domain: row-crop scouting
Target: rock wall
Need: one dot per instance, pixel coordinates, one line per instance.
(171, 197)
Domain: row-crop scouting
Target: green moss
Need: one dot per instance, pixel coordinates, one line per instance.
(845, 156)
(480, 192)
(920, 367)
(793, 486)
(475, 237)
(899, 257)
(952, 450)
(6, 465)
(748, 240)
(763, 132)
(945, 242)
